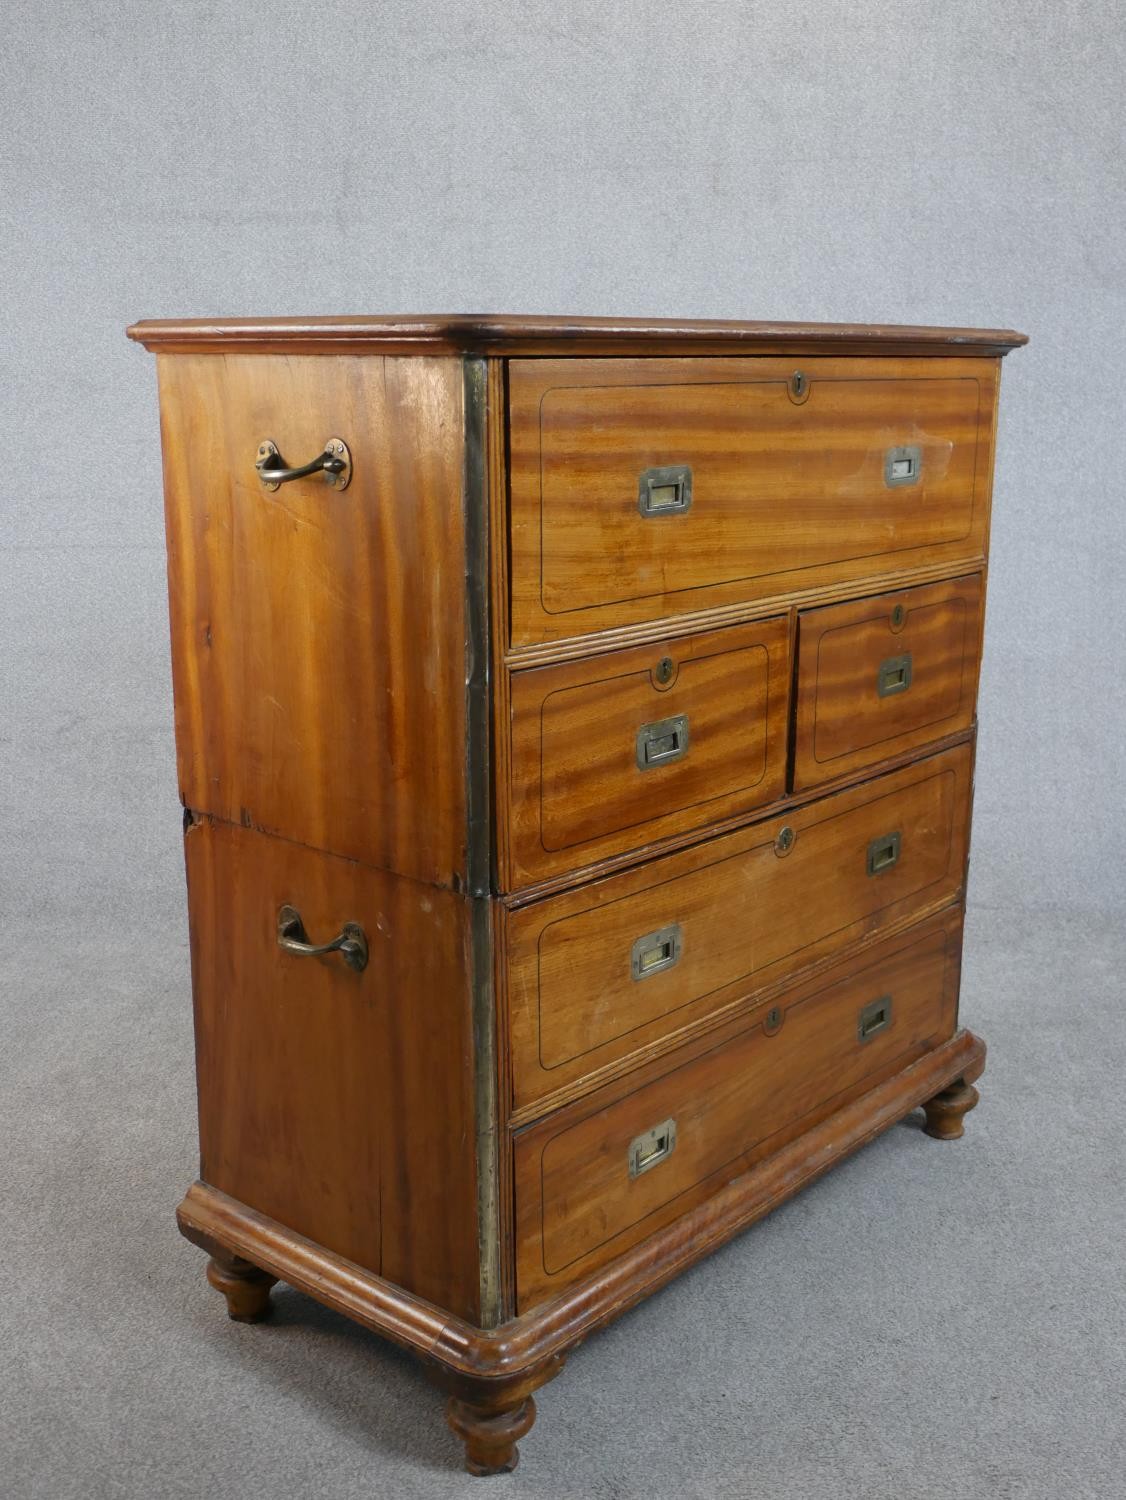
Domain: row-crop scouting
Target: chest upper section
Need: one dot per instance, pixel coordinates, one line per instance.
(491, 606)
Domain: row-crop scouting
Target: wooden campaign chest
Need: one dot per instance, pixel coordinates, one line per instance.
(575, 731)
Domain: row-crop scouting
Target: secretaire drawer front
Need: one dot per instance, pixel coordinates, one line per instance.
(599, 973)
(884, 676)
(641, 489)
(612, 752)
(602, 1174)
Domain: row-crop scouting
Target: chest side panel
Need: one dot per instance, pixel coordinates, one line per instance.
(337, 1099)
(319, 633)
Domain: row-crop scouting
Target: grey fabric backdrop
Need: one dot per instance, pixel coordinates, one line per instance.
(958, 162)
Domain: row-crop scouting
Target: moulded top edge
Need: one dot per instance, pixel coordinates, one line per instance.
(494, 334)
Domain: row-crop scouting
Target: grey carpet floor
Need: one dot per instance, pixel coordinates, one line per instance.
(930, 1320)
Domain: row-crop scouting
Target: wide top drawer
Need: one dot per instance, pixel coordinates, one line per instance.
(642, 489)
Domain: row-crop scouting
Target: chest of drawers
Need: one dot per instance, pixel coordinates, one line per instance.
(574, 726)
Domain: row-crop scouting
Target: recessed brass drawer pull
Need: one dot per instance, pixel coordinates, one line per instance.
(665, 492)
(661, 743)
(883, 852)
(874, 1017)
(351, 942)
(903, 465)
(894, 675)
(652, 1147)
(656, 951)
(334, 462)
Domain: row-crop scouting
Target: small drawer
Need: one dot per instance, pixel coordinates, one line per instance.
(597, 1177)
(615, 751)
(649, 488)
(885, 676)
(597, 975)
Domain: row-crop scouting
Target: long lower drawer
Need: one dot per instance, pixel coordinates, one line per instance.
(600, 974)
(599, 1176)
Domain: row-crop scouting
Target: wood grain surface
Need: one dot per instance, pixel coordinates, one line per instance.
(318, 638)
(338, 1103)
(529, 1347)
(488, 333)
(731, 1100)
(746, 914)
(786, 492)
(416, 704)
(577, 791)
(928, 638)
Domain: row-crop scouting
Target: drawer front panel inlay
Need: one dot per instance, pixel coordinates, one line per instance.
(649, 488)
(612, 752)
(580, 1196)
(884, 676)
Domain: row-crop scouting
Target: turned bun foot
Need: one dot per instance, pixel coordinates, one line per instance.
(945, 1112)
(490, 1436)
(246, 1288)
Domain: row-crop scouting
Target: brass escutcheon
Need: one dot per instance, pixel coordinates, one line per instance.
(785, 841)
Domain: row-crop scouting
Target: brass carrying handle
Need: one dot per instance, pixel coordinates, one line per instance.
(351, 942)
(334, 462)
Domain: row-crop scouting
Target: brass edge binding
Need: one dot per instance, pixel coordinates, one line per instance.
(478, 840)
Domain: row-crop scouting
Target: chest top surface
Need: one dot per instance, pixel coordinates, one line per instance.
(491, 333)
